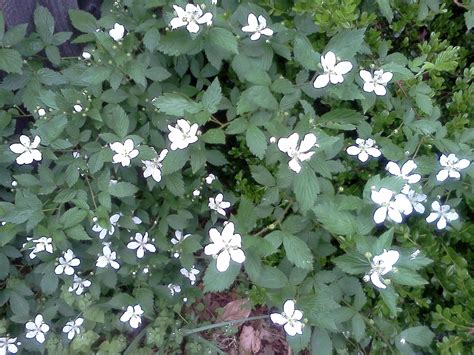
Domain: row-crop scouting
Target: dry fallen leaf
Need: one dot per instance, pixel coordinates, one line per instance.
(235, 310)
(250, 341)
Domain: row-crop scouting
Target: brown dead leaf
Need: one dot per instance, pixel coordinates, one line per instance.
(250, 341)
(235, 310)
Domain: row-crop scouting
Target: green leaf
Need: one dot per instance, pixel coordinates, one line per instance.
(116, 118)
(299, 342)
(73, 217)
(255, 97)
(212, 96)
(176, 104)
(390, 299)
(18, 304)
(346, 43)
(2, 26)
(298, 252)
(4, 262)
(270, 277)
(215, 281)
(10, 60)
(122, 189)
(358, 327)
(83, 21)
(306, 188)
(44, 24)
(179, 42)
(353, 264)
(174, 161)
(49, 283)
(77, 233)
(175, 184)
(223, 39)
(214, 136)
(15, 35)
(305, 54)
(256, 141)
(421, 336)
(151, 39)
(407, 277)
(262, 175)
(385, 9)
(246, 216)
(321, 342)
(383, 242)
(335, 221)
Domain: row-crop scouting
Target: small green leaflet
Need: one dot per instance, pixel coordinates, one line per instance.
(215, 281)
(298, 252)
(176, 104)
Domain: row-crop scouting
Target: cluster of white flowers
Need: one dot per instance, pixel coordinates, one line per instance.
(381, 265)
(290, 318)
(298, 152)
(392, 205)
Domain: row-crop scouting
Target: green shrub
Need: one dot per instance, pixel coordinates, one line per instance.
(313, 157)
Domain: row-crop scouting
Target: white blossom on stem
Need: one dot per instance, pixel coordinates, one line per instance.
(37, 329)
(141, 245)
(381, 265)
(290, 318)
(67, 263)
(183, 134)
(443, 213)
(27, 150)
(225, 246)
(40, 245)
(405, 171)
(364, 149)
(153, 167)
(333, 71)
(451, 166)
(73, 328)
(257, 26)
(8, 345)
(298, 152)
(124, 153)
(218, 204)
(190, 274)
(178, 238)
(79, 285)
(377, 82)
(117, 32)
(108, 257)
(133, 315)
(103, 231)
(391, 205)
(415, 198)
(191, 16)
(174, 289)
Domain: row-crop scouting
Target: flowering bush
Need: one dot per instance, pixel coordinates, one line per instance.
(308, 163)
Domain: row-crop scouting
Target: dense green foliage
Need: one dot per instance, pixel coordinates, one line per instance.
(308, 236)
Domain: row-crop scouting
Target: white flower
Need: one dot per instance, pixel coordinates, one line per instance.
(79, 285)
(377, 82)
(41, 112)
(210, 178)
(451, 166)
(67, 262)
(364, 148)
(196, 192)
(76, 155)
(257, 26)
(381, 265)
(133, 315)
(77, 108)
(73, 327)
(218, 204)
(41, 244)
(141, 244)
(213, 2)
(415, 254)
(442, 213)
(174, 289)
(183, 134)
(108, 257)
(124, 152)
(179, 237)
(37, 329)
(191, 17)
(297, 153)
(332, 72)
(117, 32)
(414, 198)
(86, 55)
(225, 246)
(8, 345)
(404, 171)
(190, 274)
(27, 150)
(103, 231)
(290, 318)
(391, 205)
(153, 167)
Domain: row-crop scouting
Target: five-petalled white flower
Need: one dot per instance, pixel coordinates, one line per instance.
(124, 153)
(37, 329)
(67, 263)
(41, 244)
(290, 318)
(415, 198)
(381, 265)
(451, 166)
(117, 32)
(174, 289)
(225, 246)
(257, 26)
(27, 150)
(103, 231)
(190, 274)
(153, 167)
(133, 315)
(73, 327)
(183, 134)
(218, 204)
(376, 82)
(140, 243)
(210, 178)
(298, 153)
(333, 71)
(79, 285)
(364, 149)
(108, 257)
(8, 345)
(405, 171)
(191, 16)
(391, 205)
(442, 213)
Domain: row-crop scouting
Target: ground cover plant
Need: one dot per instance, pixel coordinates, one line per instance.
(239, 176)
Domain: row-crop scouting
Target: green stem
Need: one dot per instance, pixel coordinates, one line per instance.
(218, 325)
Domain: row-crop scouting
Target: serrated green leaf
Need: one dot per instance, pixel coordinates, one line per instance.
(72, 217)
(306, 188)
(305, 54)
(151, 39)
(335, 221)
(421, 336)
(212, 97)
(175, 184)
(321, 342)
(358, 327)
(215, 281)
(262, 175)
(256, 141)
(122, 189)
(353, 264)
(223, 39)
(346, 43)
(299, 342)
(298, 252)
(214, 136)
(83, 21)
(255, 97)
(44, 24)
(117, 119)
(383, 242)
(174, 161)
(10, 60)
(385, 9)
(77, 233)
(49, 283)
(270, 277)
(176, 104)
